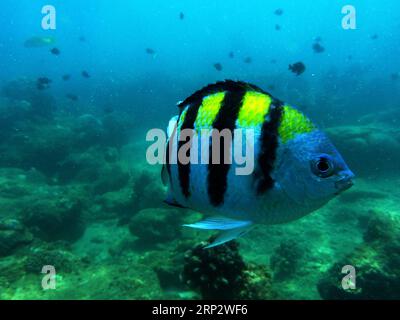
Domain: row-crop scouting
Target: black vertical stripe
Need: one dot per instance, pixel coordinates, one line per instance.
(184, 169)
(268, 147)
(226, 119)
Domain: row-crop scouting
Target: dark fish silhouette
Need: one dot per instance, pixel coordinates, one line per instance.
(72, 97)
(374, 36)
(318, 48)
(231, 55)
(108, 110)
(278, 12)
(43, 83)
(55, 51)
(218, 66)
(85, 74)
(248, 60)
(66, 77)
(150, 51)
(298, 68)
(277, 27)
(181, 16)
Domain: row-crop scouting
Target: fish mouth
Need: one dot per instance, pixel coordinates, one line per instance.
(344, 183)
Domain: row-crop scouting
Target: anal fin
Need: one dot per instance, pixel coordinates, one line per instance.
(231, 228)
(229, 235)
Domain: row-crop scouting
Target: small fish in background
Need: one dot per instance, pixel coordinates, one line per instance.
(273, 61)
(231, 55)
(395, 76)
(150, 51)
(218, 66)
(374, 36)
(181, 16)
(248, 60)
(66, 77)
(271, 87)
(55, 51)
(72, 97)
(85, 74)
(38, 42)
(277, 27)
(278, 12)
(349, 57)
(318, 48)
(298, 68)
(82, 39)
(43, 83)
(298, 168)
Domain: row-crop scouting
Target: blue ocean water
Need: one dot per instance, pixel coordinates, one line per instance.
(75, 186)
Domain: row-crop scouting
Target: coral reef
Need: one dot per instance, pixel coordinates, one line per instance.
(12, 235)
(221, 273)
(156, 225)
(284, 261)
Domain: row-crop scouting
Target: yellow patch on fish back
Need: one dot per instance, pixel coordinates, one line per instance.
(254, 108)
(208, 111)
(293, 122)
(182, 118)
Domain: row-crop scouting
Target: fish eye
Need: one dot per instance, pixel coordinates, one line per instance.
(322, 166)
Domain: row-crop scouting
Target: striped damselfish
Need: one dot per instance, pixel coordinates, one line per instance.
(296, 168)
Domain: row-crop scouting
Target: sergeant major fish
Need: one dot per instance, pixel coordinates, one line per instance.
(297, 169)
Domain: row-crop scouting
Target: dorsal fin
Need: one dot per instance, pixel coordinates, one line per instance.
(227, 85)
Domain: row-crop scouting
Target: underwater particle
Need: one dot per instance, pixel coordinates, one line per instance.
(181, 16)
(66, 77)
(278, 12)
(217, 66)
(150, 51)
(85, 74)
(318, 48)
(374, 37)
(55, 51)
(231, 55)
(297, 68)
(37, 42)
(277, 27)
(248, 60)
(72, 97)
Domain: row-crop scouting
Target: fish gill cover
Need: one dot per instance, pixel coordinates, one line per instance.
(77, 194)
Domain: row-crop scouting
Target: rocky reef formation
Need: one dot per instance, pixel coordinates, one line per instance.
(221, 273)
(376, 263)
(156, 225)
